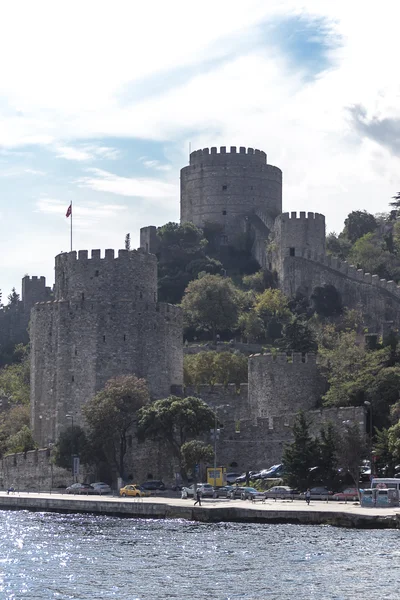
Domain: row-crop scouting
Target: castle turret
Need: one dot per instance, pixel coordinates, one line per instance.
(105, 321)
(293, 235)
(224, 187)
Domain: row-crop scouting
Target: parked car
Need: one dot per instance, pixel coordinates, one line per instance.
(272, 472)
(236, 492)
(206, 490)
(223, 492)
(242, 477)
(231, 477)
(101, 487)
(319, 492)
(81, 488)
(153, 485)
(350, 493)
(250, 493)
(280, 491)
(133, 490)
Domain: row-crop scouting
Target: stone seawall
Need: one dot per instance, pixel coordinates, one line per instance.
(213, 512)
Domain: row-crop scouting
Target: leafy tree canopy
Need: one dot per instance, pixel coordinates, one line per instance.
(15, 377)
(174, 420)
(111, 415)
(181, 257)
(22, 441)
(326, 301)
(301, 455)
(72, 441)
(195, 452)
(359, 223)
(298, 337)
(215, 367)
(211, 303)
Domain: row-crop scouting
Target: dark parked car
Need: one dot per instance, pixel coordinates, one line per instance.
(223, 492)
(81, 488)
(236, 492)
(320, 493)
(280, 491)
(153, 485)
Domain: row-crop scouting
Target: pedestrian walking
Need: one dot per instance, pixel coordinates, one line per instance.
(198, 496)
(308, 496)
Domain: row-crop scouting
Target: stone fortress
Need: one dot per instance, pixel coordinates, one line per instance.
(104, 319)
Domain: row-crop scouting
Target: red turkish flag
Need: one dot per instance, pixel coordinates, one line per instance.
(69, 211)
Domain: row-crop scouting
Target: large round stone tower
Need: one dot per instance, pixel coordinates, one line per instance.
(225, 187)
(105, 321)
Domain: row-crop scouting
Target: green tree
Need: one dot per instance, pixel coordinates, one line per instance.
(394, 441)
(22, 441)
(15, 378)
(272, 308)
(328, 461)
(13, 298)
(111, 415)
(259, 282)
(326, 301)
(359, 223)
(385, 461)
(193, 453)
(367, 253)
(298, 337)
(211, 303)
(12, 421)
(301, 455)
(352, 450)
(350, 369)
(181, 257)
(337, 245)
(73, 441)
(174, 420)
(251, 326)
(215, 367)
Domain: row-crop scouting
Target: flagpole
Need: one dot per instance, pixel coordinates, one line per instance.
(71, 224)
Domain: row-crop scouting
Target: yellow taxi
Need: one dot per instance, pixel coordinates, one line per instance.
(133, 490)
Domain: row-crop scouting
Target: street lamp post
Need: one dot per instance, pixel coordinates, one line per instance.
(368, 405)
(72, 445)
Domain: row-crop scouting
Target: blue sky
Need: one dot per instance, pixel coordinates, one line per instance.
(99, 107)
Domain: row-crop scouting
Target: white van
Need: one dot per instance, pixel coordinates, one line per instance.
(386, 482)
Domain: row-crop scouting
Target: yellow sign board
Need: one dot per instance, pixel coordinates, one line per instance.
(217, 477)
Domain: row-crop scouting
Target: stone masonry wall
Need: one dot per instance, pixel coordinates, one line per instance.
(378, 299)
(281, 385)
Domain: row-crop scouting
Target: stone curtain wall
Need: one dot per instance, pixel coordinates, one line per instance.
(223, 187)
(378, 299)
(280, 385)
(89, 336)
(34, 471)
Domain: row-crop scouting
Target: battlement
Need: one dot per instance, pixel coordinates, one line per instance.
(212, 156)
(34, 279)
(285, 217)
(350, 271)
(130, 275)
(283, 358)
(109, 255)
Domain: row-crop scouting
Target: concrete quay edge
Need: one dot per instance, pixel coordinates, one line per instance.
(210, 512)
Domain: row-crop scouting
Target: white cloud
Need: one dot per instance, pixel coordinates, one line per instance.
(129, 186)
(86, 152)
(154, 164)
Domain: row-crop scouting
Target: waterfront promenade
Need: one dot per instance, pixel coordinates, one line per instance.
(211, 511)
